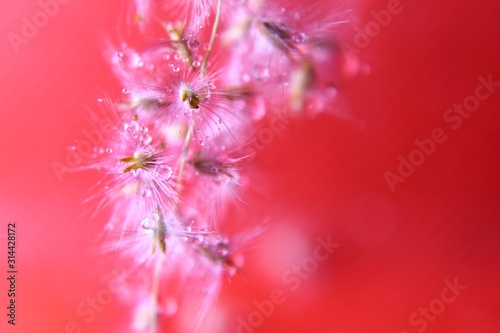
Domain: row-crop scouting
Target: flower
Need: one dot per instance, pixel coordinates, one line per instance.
(175, 160)
(285, 54)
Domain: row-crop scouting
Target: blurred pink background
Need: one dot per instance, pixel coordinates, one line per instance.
(325, 178)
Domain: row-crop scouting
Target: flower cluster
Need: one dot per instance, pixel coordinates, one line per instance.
(190, 104)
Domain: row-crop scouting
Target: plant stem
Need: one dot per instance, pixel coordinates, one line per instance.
(212, 38)
(185, 149)
(156, 291)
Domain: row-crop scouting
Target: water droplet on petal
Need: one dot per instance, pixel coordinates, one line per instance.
(132, 126)
(170, 307)
(193, 44)
(331, 93)
(176, 69)
(207, 100)
(125, 91)
(167, 172)
(245, 78)
(147, 223)
(231, 270)
(119, 54)
(155, 217)
(196, 63)
(99, 100)
(261, 73)
(299, 37)
(109, 150)
(72, 148)
(211, 86)
(146, 138)
(202, 143)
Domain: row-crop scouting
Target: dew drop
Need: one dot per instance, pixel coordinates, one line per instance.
(331, 93)
(245, 78)
(211, 86)
(119, 54)
(170, 307)
(261, 73)
(220, 121)
(109, 150)
(232, 270)
(202, 143)
(72, 148)
(99, 100)
(132, 126)
(147, 223)
(176, 69)
(193, 44)
(146, 138)
(299, 37)
(196, 63)
(125, 91)
(167, 172)
(207, 100)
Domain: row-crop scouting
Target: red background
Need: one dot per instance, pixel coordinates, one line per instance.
(326, 177)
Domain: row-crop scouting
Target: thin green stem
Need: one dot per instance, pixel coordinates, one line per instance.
(156, 291)
(183, 159)
(159, 265)
(212, 38)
